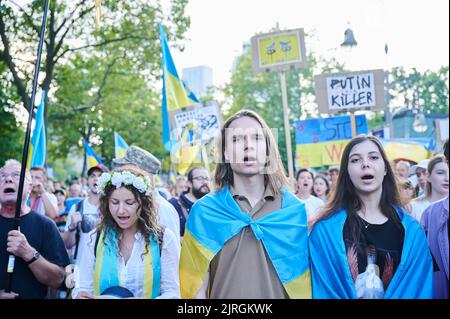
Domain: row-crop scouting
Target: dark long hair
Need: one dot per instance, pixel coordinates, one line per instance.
(223, 174)
(344, 195)
(147, 223)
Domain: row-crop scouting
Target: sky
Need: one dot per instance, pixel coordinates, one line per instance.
(416, 31)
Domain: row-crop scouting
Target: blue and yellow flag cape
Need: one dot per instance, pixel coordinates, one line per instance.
(331, 278)
(106, 266)
(92, 158)
(37, 150)
(120, 146)
(216, 218)
(175, 93)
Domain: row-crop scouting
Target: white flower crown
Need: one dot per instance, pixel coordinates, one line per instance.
(142, 183)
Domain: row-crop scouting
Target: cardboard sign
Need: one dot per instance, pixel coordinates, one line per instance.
(350, 91)
(279, 51)
(197, 123)
(321, 142)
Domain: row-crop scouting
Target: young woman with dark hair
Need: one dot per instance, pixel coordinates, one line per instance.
(363, 244)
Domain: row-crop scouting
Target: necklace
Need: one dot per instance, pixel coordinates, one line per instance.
(366, 224)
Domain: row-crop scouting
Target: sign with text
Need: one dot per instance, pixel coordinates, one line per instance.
(279, 51)
(196, 123)
(350, 91)
(321, 141)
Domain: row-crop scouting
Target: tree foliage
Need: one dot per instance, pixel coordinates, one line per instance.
(98, 81)
(427, 90)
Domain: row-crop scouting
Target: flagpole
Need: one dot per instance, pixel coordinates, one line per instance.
(11, 260)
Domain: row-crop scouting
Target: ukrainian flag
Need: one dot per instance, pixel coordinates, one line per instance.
(184, 153)
(216, 218)
(93, 159)
(120, 145)
(175, 93)
(37, 150)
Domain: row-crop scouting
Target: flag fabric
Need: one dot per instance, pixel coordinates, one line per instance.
(106, 272)
(184, 153)
(92, 158)
(216, 218)
(37, 150)
(120, 145)
(175, 94)
(330, 272)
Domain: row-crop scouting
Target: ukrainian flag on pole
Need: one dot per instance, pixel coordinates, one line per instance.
(92, 158)
(175, 93)
(120, 145)
(37, 150)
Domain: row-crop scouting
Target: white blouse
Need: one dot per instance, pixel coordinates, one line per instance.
(132, 273)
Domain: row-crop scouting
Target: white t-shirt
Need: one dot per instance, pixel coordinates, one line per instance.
(418, 206)
(168, 215)
(131, 274)
(312, 206)
(90, 220)
(53, 200)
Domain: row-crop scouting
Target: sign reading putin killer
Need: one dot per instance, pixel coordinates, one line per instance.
(279, 51)
(350, 91)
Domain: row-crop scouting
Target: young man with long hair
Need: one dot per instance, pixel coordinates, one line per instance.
(248, 238)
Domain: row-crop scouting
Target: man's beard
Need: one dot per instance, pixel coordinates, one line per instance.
(198, 193)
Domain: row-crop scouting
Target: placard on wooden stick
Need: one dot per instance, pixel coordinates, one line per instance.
(350, 91)
(279, 51)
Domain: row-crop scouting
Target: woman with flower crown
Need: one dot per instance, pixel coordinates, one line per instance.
(128, 251)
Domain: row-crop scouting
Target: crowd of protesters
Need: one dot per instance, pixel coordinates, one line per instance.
(368, 228)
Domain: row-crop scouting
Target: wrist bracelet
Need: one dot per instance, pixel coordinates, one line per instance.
(72, 229)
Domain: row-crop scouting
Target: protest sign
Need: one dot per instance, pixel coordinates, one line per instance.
(350, 91)
(321, 141)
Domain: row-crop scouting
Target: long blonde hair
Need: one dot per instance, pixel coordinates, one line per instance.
(223, 174)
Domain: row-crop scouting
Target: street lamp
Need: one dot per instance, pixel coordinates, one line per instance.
(349, 39)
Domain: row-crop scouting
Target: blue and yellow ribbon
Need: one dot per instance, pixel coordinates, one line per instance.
(106, 267)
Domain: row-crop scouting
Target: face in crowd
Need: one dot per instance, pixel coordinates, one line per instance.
(75, 190)
(333, 176)
(305, 182)
(9, 184)
(39, 180)
(402, 170)
(181, 186)
(421, 174)
(245, 147)
(438, 178)
(366, 167)
(92, 180)
(124, 208)
(200, 183)
(320, 187)
(61, 198)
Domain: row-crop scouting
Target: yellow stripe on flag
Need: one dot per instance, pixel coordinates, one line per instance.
(194, 263)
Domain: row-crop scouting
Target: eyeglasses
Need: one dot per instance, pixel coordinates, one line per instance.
(201, 178)
(15, 176)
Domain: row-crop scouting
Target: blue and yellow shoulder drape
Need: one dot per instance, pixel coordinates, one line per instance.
(216, 218)
(331, 278)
